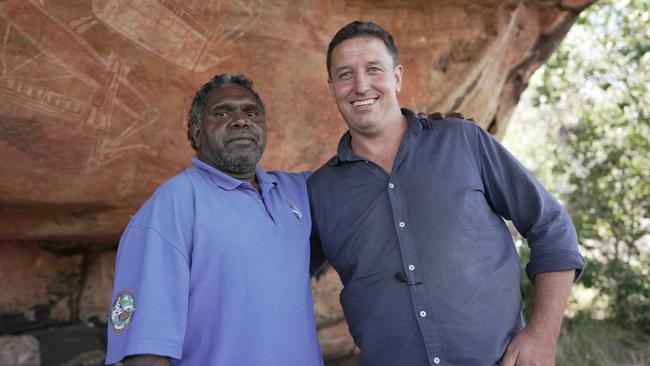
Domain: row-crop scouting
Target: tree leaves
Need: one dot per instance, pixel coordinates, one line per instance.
(593, 93)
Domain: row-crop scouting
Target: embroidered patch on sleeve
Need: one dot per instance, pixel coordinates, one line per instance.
(122, 311)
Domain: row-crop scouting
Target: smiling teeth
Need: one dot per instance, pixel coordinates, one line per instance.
(359, 103)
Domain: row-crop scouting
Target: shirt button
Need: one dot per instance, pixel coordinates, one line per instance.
(411, 267)
(391, 185)
(423, 313)
(402, 224)
(436, 360)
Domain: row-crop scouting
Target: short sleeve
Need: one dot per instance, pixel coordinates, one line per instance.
(148, 313)
(316, 254)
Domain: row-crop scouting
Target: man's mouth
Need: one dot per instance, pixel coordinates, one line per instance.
(242, 139)
(364, 102)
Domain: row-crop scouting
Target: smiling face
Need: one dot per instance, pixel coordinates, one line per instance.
(232, 134)
(364, 83)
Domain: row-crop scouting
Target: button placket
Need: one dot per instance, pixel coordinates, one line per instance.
(418, 294)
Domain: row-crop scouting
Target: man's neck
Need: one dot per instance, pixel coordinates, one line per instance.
(380, 148)
(249, 177)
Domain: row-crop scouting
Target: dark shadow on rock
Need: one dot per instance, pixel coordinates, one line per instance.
(78, 344)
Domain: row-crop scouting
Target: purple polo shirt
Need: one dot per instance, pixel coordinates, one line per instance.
(211, 272)
(430, 273)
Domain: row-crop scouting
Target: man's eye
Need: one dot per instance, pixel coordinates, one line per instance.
(374, 70)
(252, 114)
(345, 75)
(221, 114)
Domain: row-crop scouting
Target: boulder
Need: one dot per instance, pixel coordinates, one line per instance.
(95, 299)
(19, 351)
(38, 288)
(77, 344)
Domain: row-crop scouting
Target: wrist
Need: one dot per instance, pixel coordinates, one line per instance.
(543, 333)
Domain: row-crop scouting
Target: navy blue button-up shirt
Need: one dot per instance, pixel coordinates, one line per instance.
(430, 272)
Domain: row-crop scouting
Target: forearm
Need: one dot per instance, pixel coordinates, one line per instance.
(550, 296)
(535, 345)
(146, 360)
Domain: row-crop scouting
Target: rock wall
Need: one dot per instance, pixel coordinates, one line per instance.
(93, 101)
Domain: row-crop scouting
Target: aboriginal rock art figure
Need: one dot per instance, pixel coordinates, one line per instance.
(99, 119)
(61, 54)
(188, 34)
(22, 83)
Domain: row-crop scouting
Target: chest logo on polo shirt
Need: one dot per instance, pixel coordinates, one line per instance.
(122, 311)
(296, 212)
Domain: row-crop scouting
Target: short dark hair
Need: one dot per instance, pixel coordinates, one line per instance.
(195, 115)
(361, 29)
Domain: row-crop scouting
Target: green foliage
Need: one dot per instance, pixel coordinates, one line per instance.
(593, 96)
(588, 342)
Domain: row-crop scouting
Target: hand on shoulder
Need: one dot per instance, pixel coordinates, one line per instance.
(435, 116)
(145, 360)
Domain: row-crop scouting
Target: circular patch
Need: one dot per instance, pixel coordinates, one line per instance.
(122, 311)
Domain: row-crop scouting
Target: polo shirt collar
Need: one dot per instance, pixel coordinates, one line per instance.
(265, 180)
(345, 153)
(223, 180)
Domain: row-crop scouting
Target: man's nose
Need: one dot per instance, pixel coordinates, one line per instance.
(361, 83)
(240, 120)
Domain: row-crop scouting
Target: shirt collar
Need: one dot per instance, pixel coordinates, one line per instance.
(345, 154)
(223, 180)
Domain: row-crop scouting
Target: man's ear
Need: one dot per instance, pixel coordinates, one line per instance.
(399, 70)
(195, 132)
(331, 86)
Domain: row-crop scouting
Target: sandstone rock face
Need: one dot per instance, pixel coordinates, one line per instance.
(335, 342)
(95, 92)
(19, 351)
(72, 345)
(38, 288)
(97, 287)
(325, 290)
(94, 96)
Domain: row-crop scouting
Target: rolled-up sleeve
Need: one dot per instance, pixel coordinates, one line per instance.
(516, 195)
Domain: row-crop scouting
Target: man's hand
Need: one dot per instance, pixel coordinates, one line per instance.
(145, 360)
(535, 345)
(438, 116)
(527, 348)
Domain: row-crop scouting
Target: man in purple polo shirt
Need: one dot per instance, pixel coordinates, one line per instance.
(214, 267)
(410, 213)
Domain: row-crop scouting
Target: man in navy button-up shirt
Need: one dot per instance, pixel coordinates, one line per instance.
(410, 213)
